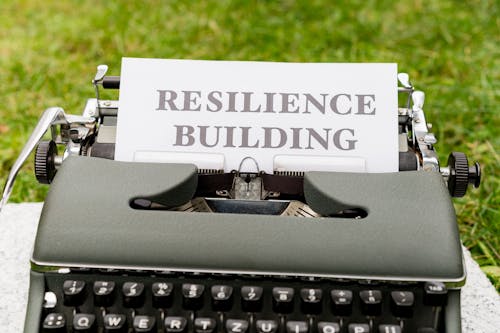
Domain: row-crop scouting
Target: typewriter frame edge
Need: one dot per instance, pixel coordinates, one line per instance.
(45, 267)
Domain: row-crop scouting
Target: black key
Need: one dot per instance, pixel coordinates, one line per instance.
(236, 326)
(435, 294)
(162, 294)
(389, 329)
(297, 327)
(115, 323)
(328, 327)
(144, 324)
(133, 294)
(266, 326)
(402, 303)
(74, 292)
(341, 302)
(251, 298)
(311, 300)
(358, 328)
(192, 296)
(175, 324)
(222, 297)
(371, 302)
(84, 322)
(204, 325)
(103, 293)
(54, 322)
(283, 299)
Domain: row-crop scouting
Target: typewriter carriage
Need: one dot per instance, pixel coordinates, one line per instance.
(93, 134)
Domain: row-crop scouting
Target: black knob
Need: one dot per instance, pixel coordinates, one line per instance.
(475, 175)
(461, 175)
(45, 167)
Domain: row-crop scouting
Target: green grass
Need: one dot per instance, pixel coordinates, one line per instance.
(49, 50)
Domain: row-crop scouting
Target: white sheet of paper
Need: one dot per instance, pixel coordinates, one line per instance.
(331, 116)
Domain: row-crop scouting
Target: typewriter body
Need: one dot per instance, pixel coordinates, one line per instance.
(145, 247)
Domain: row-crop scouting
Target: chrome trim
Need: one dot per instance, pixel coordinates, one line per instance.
(450, 283)
(421, 135)
(90, 108)
(99, 76)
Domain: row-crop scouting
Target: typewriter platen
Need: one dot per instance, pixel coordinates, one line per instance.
(142, 247)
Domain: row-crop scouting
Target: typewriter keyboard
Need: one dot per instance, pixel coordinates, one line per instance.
(125, 303)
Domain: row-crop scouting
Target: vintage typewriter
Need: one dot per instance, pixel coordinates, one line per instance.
(144, 247)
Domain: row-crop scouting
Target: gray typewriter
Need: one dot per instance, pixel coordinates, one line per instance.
(155, 247)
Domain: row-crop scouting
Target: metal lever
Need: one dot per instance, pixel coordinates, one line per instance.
(404, 79)
(99, 76)
(51, 116)
(418, 99)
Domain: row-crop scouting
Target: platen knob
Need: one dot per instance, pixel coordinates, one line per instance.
(45, 168)
(461, 175)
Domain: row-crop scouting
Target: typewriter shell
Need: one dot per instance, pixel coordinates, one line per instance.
(410, 233)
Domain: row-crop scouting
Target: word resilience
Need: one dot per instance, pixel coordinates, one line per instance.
(330, 105)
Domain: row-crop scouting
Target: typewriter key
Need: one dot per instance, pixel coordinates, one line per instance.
(49, 300)
(222, 297)
(54, 322)
(371, 302)
(389, 329)
(175, 324)
(359, 328)
(192, 296)
(236, 326)
(341, 302)
(328, 327)
(204, 325)
(402, 303)
(84, 322)
(268, 326)
(133, 294)
(311, 300)
(103, 293)
(283, 299)
(435, 293)
(144, 324)
(74, 292)
(251, 298)
(115, 323)
(297, 327)
(162, 294)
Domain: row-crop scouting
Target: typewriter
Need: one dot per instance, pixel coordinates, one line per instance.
(145, 247)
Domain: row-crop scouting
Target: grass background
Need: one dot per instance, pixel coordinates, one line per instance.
(49, 51)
